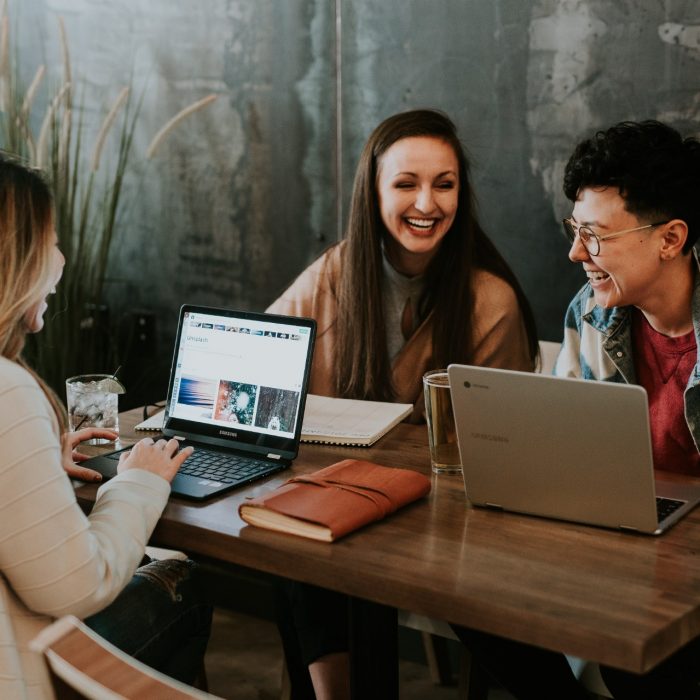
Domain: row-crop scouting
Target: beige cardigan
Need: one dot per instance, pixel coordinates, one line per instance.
(500, 337)
(53, 559)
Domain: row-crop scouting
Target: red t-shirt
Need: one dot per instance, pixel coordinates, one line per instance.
(663, 366)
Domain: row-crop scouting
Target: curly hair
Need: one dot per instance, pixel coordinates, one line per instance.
(656, 170)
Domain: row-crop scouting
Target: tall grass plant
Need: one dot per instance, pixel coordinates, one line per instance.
(78, 335)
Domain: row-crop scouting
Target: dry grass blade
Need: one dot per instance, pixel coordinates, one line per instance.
(172, 123)
(4, 61)
(46, 125)
(104, 129)
(64, 140)
(64, 52)
(31, 90)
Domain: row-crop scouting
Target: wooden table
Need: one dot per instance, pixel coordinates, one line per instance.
(624, 600)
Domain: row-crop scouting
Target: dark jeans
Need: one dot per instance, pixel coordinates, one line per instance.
(531, 673)
(312, 622)
(527, 672)
(160, 618)
(678, 677)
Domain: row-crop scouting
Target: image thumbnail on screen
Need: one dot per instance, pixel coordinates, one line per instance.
(235, 402)
(277, 409)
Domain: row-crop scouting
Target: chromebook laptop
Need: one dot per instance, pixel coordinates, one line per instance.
(237, 392)
(571, 449)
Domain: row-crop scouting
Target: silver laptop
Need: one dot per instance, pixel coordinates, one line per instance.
(571, 449)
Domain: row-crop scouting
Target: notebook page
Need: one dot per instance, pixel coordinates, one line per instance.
(349, 420)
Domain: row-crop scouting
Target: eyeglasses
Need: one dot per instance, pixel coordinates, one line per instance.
(591, 241)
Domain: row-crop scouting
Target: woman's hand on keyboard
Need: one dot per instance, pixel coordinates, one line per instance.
(163, 457)
(71, 455)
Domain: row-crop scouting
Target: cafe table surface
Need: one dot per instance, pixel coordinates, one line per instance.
(620, 599)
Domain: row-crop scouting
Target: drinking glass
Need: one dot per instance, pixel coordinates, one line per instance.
(442, 436)
(93, 402)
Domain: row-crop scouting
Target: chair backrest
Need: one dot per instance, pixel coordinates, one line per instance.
(549, 351)
(83, 665)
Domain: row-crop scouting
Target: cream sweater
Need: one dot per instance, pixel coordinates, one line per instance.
(53, 559)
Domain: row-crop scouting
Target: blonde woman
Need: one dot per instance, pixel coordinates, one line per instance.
(53, 559)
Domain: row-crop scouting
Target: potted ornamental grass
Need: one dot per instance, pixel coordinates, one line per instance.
(88, 193)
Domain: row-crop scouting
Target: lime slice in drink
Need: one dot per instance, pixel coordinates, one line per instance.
(112, 386)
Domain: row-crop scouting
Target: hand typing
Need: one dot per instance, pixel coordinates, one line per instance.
(162, 457)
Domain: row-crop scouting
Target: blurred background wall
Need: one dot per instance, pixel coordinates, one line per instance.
(244, 194)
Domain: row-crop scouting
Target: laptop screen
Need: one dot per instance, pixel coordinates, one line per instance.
(239, 377)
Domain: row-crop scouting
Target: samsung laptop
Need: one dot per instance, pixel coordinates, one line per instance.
(236, 394)
(571, 449)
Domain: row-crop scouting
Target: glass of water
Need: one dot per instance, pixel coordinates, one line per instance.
(93, 402)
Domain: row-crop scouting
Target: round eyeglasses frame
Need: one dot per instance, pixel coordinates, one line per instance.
(591, 241)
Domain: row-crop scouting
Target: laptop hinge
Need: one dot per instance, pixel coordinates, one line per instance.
(271, 455)
(493, 506)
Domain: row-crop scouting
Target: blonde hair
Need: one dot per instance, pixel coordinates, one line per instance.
(26, 242)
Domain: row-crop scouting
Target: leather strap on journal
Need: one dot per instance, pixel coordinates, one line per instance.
(380, 499)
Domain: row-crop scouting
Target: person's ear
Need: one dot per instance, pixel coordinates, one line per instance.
(675, 234)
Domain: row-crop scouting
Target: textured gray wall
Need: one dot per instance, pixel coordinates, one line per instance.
(246, 193)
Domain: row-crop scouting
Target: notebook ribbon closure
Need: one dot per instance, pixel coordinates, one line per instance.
(381, 500)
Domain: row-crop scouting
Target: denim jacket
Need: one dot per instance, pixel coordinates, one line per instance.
(598, 345)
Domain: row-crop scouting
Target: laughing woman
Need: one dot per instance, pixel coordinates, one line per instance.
(54, 560)
(415, 285)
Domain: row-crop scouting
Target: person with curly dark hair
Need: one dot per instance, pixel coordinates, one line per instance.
(635, 220)
(636, 217)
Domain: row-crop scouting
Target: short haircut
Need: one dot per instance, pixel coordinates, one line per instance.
(656, 170)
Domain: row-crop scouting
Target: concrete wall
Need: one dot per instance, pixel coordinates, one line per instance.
(243, 195)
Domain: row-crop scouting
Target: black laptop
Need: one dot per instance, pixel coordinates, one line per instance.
(236, 394)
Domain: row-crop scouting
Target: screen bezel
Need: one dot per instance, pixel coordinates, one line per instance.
(265, 444)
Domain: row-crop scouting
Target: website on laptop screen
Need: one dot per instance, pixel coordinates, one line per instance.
(239, 373)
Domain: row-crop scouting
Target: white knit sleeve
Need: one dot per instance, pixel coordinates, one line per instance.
(57, 560)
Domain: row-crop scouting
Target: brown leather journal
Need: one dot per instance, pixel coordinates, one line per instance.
(336, 500)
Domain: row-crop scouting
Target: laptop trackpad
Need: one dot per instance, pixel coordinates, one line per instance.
(194, 487)
(105, 464)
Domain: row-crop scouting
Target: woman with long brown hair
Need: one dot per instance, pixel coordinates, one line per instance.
(415, 285)
(53, 559)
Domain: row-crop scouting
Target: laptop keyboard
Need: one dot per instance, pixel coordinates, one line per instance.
(666, 506)
(222, 467)
(226, 468)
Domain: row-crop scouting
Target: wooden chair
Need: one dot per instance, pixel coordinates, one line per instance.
(82, 665)
(472, 682)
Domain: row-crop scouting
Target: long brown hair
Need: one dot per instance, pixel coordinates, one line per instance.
(26, 242)
(363, 366)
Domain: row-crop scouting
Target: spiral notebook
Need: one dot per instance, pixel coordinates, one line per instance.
(349, 421)
(335, 421)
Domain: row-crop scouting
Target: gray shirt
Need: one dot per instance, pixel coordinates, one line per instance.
(397, 289)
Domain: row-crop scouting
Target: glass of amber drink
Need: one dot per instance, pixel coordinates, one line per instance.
(442, 436)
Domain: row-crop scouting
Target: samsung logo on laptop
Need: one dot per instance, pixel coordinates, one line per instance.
(490, 437)
(228, 433)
